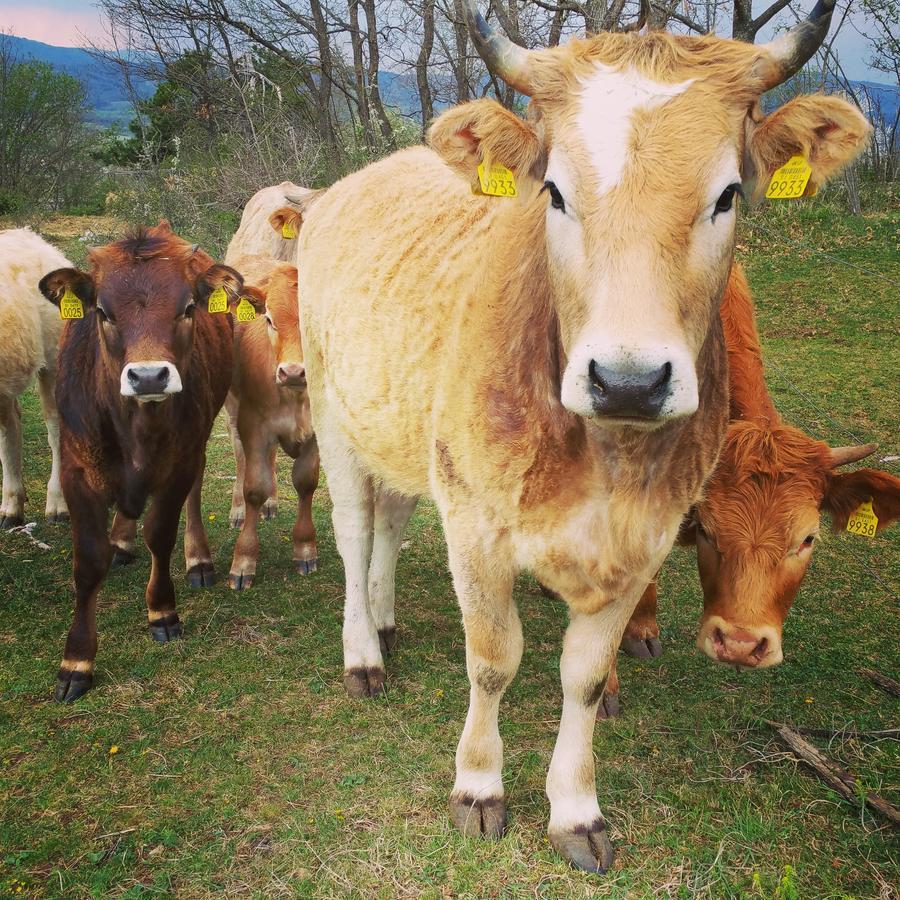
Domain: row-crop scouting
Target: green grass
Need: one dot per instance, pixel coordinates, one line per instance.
(242, 766)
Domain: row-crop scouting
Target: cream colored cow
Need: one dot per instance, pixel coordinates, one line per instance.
(550, 369)
(29, 330)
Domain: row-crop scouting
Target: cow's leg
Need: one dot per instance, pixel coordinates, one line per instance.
(198, 564)
(56, 509)
(91, 556)
(392, 512)
(259, 481)
(641, 638)
(609, 707)
(122, 537)
(577, 829)
(12, 507)
(305, 475)
(270, 507)
(236, 516)
(160, 534)
(483, 578)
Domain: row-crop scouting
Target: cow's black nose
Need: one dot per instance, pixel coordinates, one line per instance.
(148, 379)
(630, 394)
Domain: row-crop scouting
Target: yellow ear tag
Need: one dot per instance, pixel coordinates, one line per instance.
(218, 301)
(863, 522)
(494, 180)
(789, 182)
(288, 231)
(246, 312)
(70, 306)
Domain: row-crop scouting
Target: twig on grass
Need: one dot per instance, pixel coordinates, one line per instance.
(835, 777)
(885, 683)
(847, 733)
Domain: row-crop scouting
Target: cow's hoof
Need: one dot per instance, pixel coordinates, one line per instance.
(642, 648)
(609, 707)
(121, 558)
(7, 522)
(387, 637)
(479, 818)
(270, 509)
(162, 632)
(361, 683)
(72, 685)
(57, 517)
(306, 566)
(586, 847)
(240, 581)
(201, 575)
(236, 520)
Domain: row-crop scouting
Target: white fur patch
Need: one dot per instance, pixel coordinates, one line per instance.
(608, 103)
(173, 385)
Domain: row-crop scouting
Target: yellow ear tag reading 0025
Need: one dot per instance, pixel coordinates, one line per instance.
(288, 231)
(863, 522)
(495, 180)
(218, 301)
(245, 311)
(789, 182)
(70, 306)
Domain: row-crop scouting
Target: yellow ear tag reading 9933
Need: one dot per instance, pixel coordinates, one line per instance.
(863, 522)
(288, 231)
(245, 311)
(70, 306)
(218, 301)
(789, 182)
(494, 180)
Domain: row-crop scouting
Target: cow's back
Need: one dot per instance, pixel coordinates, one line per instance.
(255, 235)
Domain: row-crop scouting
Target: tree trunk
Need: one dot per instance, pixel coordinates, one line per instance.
(359, 74)
(425, 99)
(387, 131)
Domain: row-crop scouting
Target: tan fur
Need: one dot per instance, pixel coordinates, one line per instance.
(255, 235)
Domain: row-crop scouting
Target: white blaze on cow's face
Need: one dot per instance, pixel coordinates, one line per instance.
(640, 228)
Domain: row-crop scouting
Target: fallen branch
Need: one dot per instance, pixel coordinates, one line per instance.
(846, 733)
(885, 683)
(835, 777)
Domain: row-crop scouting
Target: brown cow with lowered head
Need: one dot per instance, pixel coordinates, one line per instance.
(141, 378)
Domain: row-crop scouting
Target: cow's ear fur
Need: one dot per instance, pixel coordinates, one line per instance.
(216, 276)
(827, 131)
(54, 284)
(847, 490)
(463, 135)
(283, 216)
(256, 296)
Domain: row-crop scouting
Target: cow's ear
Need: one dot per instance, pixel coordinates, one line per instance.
(846, 491)
(829, 133)
(255, 297)
(286, 222)
(219, 276)
(465, 134)
(55, 284)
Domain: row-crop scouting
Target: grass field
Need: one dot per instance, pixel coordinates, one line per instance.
(232, 760)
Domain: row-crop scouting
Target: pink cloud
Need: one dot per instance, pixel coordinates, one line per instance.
(64, 28)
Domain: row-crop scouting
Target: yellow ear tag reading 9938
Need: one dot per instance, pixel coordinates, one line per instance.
(863, 522)
(789, 182)
(494, 180)
(245, 311)
(218, 301)
(288, 231)
(70, 306)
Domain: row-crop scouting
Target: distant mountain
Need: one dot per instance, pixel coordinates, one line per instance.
(106, 91)
(884, 98)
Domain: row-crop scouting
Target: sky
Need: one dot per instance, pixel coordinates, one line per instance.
(70, 23)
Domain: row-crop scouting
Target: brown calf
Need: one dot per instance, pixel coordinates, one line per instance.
(141, 378)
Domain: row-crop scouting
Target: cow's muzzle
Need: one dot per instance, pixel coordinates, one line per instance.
(292, 375)
(150, 380)
(631, 393)
(747, 647)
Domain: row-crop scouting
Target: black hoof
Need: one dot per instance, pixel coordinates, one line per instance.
(58, 518)
(609, 707)
(11, 522)
(122, 558)
(201, 575)
(236, 521)
(241, 581)
(162, 632)
(72, 685)
(269, 510)
(362, 683)
(642, 648)
(306, 566)
(479, 818)
(586, 847)
(387, 638)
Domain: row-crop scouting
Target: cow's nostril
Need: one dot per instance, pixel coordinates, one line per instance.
(719, 638)
(162, 375)
(665, 375)
(760, 650)
(594, 375)
(133, 377)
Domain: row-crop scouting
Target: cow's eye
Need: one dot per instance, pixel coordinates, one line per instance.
(808, 541)
(188, 311)
(556, 198)
(726, 199)
(104, 316)
(270, 323)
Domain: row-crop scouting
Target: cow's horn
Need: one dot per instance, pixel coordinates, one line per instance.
(841, 456)
(792, 50)
(504, 58)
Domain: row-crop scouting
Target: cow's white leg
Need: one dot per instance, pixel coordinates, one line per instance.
(56, 509)
(12, 508)
(236, 515)
(352, 515)
(483, 577)
(392, 512)
(577, 828)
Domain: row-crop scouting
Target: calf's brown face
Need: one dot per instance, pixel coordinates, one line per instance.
(142, 295)
(283, 320)
(758, 526)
